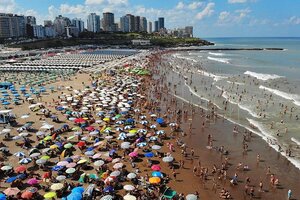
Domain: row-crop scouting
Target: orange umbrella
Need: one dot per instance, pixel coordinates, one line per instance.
(20, 169)
(81, 144)
(154, 180)
(27, 195)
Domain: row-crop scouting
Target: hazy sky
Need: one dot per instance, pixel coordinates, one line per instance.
(210, 18)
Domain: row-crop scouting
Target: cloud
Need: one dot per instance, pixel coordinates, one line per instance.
(194, 5)
(206, 12)
(180, 5)
(69, 9)
(224, 16)
(236, 1)
(228, 18)
(118, 2)
(7, 6)
(294, 20)
(94, 2)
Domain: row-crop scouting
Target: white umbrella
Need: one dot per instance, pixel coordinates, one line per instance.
(6, 168)
(168, 159)
(23, 134)
(156, 147)
(107, 197)
(61, 178)
(34, 155)
(129, 197)
(19, 154)
(191, 197)
(7, 130)
(118, 165)
(131, 175)
(25, 160)
(128, 187)
(125, 145)
(115, 173)
(99, 163)
(41, 161)
(24, 116)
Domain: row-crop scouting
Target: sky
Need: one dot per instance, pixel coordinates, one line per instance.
(210, 18)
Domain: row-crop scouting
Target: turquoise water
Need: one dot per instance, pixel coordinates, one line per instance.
(260, 90)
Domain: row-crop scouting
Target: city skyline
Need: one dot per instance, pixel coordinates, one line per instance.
(232, 17)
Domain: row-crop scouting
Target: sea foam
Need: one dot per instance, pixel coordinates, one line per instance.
(263, 77)
(216, 54)
(222, 60)
(293, 97)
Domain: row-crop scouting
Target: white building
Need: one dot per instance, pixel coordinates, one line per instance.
(93, 23)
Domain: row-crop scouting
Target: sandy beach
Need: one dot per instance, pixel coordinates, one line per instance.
(207, 154)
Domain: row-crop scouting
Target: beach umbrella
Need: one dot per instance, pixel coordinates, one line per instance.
(6, 168)
(57, 168)
(107, 197)
(20, 169)
(156, 174)
(128, 187)
(160, 120)
(156, 167)
(191, 197)
(45, 157)
(149, 155)
(81, 144)
(115, 173)
(41, 161)
(11, 179)
(50, 195)
(33, 181)
(79, 190)
(7, 130)
(79, 120)
(133, 154)
(2, 196)
(34, 155)
(45, 150)
(160, 132)
(108, 189)
(141, 144)
(61, 178)
(62, 163)
(27, 195)
(99, 163)
(40, 133)
(68, 146)
(24, 116)
(97, 155)
(167, 159)
(25, 161)
(70, 170)
(93, 176)
(131, 175)
(156, 147)
(154, 180)
(11, 191)
(71, 165)
(17, 137)
(125, 145)
(129, 197)
(81, 161)
(56, 186)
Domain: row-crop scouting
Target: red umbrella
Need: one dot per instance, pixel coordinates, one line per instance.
(79, 120)
(20, 169)
(81, 144)
(90, 128)
(156, 167)
(27, 195)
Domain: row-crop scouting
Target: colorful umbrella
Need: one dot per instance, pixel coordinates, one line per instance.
(50, 195)
(154, 180)
(11, 191)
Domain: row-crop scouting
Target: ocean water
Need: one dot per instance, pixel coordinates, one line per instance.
(260, 90)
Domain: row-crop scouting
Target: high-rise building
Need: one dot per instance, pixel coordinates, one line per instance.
(60, 24)
(161, 23)
(78, 23)
(189, 31)
(137, 23)
(124, 24)
(131, 22)
(12, 25)
(48, 23)
(149, 27)
(156, 26)
(108, 22)
(93, 23)
(30, 20)
(143, 24)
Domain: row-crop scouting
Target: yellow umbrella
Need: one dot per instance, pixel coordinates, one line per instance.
(50, 195)
(85, 118)
(54, 146)
(133, 131)
(154, 180)
(47, 138)
(45, 157)
(62, 155)
(106, 119)
(103, 128)
(81, 161)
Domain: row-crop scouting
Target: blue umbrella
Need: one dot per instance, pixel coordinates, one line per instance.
(108, 189)
(27, 95)
(11, 179)
(90, 149)
(5, 103)
(78, 190)
(156, 174)
(5, 95)
(57, 168)
(2, 196)
(69, 159)
(16, 95)
(21, 176)
(74, 196)
(130, 120)
(149, 155)
(160, 120)
(111, 152)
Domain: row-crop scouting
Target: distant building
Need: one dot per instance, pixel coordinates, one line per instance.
(124, 24)
(48, 23)
(161, 23)
(149, 27)
(109, 22)
(143, 24)
(93, 23)
(60, 23)
(141, 42)
(79, 24)
(156, 26)
(72, 31)
(50, 32)
(137, 23)
(30, 20)
(189, 31)
(35, 31)
(12, 25)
